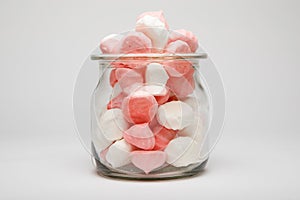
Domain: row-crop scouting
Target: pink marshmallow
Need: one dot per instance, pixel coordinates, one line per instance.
(148, 160)
(185, 36)
(178, 46)
(135, 42)
(181, 81)
(112, 78)
(156, 14)
(110, 44)
(127, 78)
(160, 93)
(116, 102)
(163, 136)
(139, 107)
(140, 135)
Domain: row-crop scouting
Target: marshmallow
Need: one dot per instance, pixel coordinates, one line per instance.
(156, 74)
(185, 36)
(139, 107)
(116, 102)
(182, 151)
(110, 43)
(118, 154)
(175, 115)
(148, 160)
(141, 136)
(156, 14)
(181, 81)
(135, 42)
(155, 29)
(160, 93)
(194, 130)
(162, 136)
(116, 90)
(128, 79)
(112, 78)
(178, 46)
(99, 141)
(112, 124)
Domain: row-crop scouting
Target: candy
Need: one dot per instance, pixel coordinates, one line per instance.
(148, 160)
(112, 78)
(194, 130)
(162, 136)
(155, 29)
(156, 74)
(181, 81)
(112, 124)
(141, 136)
(128, 79)
(139, 107)
(175, 115)
(156, 14)
(116, 102)
(185, 36)
(160, 93)
(135, 42)
(110, 44)
(118, 154)
(178, 46)
(182, 151)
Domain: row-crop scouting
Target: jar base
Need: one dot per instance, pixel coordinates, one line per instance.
(168, 172)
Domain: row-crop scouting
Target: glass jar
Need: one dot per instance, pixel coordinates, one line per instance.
(155, 116)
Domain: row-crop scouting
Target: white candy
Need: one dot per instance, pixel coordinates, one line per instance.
(175, 115)
(99, 141)
(112, 124)
(154, 29)
(156, 74)
(194, 130)
(182, 151)
(118, 153)
(116, 90)
(155, 90)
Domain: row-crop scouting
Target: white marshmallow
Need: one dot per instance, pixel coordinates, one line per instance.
(118, 153)
(182, 151)
(116, 90)
(194, 130)
(155, 90)
(156, 74)
(112, 124)
(154, 29)
(175, 115)
(98, 139)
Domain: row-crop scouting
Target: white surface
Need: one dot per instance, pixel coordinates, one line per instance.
(255, 45)
(61, 169)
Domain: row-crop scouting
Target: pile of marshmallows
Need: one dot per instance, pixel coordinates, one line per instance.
(150, 120)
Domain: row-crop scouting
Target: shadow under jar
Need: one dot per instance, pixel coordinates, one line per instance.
(150, 116)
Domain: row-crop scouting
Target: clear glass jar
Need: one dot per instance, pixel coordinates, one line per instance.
(155, 116)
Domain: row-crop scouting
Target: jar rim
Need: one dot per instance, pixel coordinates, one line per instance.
(149, 56)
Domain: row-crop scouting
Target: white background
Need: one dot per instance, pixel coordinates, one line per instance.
(255, 45)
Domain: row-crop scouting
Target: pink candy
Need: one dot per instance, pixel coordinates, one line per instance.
(139, 107)
(141, 136)
(163, 136)
(178, 46)
(185, 36)
(148, 160)
(135, 42)
(181, 80)
(110, 44)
